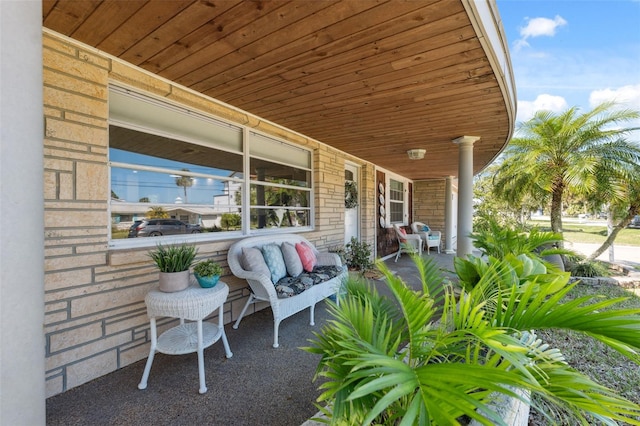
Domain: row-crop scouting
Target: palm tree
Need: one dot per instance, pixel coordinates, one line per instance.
(555, 152)
(185, 182)
(157, 212)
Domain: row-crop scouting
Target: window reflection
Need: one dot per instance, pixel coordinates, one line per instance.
(168, 163)
(157, 177)
(278, 218)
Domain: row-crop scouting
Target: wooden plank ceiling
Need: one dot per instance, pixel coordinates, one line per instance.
(372, 78)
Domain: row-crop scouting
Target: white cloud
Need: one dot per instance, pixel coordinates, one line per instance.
(538, 27)
(526, 109)
(519, 44)
(628, 96)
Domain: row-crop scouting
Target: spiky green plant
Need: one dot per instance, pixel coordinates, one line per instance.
(176, 258)
(416, 360)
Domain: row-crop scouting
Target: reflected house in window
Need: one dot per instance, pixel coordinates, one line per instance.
(228, 201)
(124, 214)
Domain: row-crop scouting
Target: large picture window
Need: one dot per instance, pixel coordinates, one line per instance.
(176, 172)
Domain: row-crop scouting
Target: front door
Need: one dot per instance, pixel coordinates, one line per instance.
(352, 214)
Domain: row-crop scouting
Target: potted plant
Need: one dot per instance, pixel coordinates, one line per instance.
(358, 255)
(174, 263)
(207, 273)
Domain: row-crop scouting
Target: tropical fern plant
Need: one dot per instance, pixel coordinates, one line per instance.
(498, 241)
(440, 355)
(527, 249)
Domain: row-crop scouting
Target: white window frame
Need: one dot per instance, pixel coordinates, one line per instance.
(246, 180)
(389, 176)
(310, 190)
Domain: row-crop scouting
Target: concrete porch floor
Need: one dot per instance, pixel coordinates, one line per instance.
(258, 385)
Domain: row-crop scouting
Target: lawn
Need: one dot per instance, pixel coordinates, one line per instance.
(596, 360)
(601, 363)
(596, 234)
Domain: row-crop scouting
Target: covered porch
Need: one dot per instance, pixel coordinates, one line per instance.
(258, 385)
(348, 84)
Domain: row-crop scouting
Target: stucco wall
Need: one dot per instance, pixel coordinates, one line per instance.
(95, 317)
(22, 390)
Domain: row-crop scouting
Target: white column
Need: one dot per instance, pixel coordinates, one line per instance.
(22, 364)
(448, 216)
(465, 193)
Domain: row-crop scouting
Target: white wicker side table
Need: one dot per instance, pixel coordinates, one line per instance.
(192, 304)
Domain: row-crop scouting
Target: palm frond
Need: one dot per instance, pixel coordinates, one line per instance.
(395, 362)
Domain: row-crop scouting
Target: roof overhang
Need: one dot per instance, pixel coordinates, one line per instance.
(371, 78)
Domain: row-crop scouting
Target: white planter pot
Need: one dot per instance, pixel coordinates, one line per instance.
(170, 282)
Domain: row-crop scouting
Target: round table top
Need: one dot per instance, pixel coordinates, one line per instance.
(192, 304)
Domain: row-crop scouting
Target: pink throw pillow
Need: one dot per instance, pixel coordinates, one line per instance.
(404, 233)
(307, 256)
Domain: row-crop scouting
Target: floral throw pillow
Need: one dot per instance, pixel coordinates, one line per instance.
(307, 256)
(275, 262)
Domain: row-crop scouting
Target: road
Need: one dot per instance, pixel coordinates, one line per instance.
(625, 255)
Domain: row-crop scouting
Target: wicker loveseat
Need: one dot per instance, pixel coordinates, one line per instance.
(290, 294)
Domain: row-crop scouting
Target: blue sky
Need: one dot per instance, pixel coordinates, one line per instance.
(573, 53)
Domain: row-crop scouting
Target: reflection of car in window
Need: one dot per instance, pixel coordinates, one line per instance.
(159, 227)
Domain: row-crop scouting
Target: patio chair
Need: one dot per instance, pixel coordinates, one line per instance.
(407, 243)
(429, 237)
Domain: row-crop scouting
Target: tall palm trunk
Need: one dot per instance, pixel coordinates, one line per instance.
(556, 211)
(607, 243)
(631, 212)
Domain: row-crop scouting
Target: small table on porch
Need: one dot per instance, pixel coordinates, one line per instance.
(193, 304)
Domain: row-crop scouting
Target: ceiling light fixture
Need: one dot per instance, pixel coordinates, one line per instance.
(416, 154)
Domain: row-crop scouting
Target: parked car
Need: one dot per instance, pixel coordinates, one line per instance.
(158, 227)
(635, 222)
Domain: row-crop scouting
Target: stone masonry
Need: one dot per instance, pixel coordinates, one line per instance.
(95, 317)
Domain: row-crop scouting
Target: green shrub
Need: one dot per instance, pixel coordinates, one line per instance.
(207, 268)
(579, 266)
(230, 220)
(358, 255)
(588, 268)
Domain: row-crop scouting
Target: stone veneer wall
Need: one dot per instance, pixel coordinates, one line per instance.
(428, 203)
(95, 317)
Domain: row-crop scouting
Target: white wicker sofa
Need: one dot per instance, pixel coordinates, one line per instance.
(263, 288)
